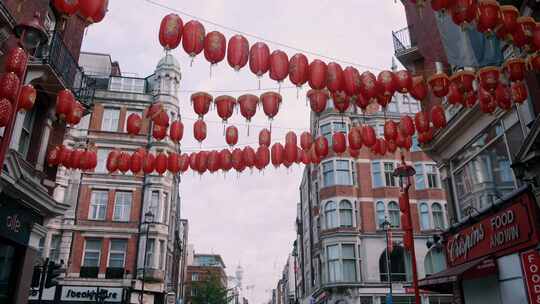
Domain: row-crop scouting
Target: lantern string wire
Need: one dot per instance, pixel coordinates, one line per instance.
(163, 6)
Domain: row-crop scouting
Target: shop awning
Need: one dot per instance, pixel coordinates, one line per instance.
(442, 281)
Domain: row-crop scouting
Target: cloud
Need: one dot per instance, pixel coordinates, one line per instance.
(248, 219)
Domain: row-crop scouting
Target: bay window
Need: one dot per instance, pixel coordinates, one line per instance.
(342, 263)
(338, 215)
(338, 172)
(329, 128)
(388, 211)
(382, 174)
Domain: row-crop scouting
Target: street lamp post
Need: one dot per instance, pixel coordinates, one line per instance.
(404, 172)
(148, 219)
(31, 35)
(386, 226)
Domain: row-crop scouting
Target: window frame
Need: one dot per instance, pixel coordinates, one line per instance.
(54, 252)
(85, 251)
(110, 127)
(422, 173)
(123, 206)
(387, 216)
(334, 171)
(101, 166)
(24, 145)
(340, 262)
(333, 129)
(378, 168)
(111, 251)
(92, 203)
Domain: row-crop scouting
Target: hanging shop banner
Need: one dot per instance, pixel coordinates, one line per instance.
(530, 261)
(510, 228)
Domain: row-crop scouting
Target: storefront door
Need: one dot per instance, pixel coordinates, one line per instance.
(8, 275)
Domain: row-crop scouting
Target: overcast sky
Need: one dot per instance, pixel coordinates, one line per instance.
(248, 219)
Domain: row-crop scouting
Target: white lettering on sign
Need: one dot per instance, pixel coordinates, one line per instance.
(463, 243)
(13, 223)
(80, 293)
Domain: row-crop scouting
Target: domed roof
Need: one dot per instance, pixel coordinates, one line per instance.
(168, 62)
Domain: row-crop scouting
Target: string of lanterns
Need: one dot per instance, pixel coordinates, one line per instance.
(93, 11)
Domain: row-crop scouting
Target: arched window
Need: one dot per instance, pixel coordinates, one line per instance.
(398, 267)
(438, 216)
(330, 213)
(424, 216)
(393, 214)
(380, 213)
(434, 261)
(345, 214)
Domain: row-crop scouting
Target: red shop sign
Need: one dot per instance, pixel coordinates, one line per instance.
(530, 261)
(510, 228)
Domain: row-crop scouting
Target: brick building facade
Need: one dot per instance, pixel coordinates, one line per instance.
(201, 268)
(343, 203)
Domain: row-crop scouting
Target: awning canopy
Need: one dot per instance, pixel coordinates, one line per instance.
(442, 281)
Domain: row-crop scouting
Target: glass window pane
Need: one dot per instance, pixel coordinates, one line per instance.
(348, 252)
(394, 214)
(333, 252)
(424, 216)
(419, 177)
(376, 174)
(381, 217)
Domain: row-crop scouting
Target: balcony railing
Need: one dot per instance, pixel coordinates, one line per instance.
(58, 56)
(402, 40)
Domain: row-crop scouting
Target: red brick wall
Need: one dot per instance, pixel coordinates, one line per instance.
(97, 117)
(76, 252)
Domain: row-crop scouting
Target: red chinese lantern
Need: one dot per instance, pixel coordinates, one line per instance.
(153, 110)
(390, 130)
(161, 118)
(215, 45)
(262, 157)
(6, 110)
(176, 131)
(291, 153)
(470, 100)
(351, 81)
(523, 33)
(159, 132)
(306, 140)
(291, 138)
(161, 163)
(369, 86)
(183, 162)
(441, 5)
(391, 146)
(503, 97)
(488, 16)
(341, 101)
(259, 58)
(334, 77)
(237, 160)
(304, 157)
(231, 135)
(368, 136)
(362, 102)
(463, 12)
(248, 105)
(464, 81)
(279, 65)
(75, 115)
(535, 41)
(249, 156)
(317, 74)
(193, 38)
(403, 81)
(199, 130)
(202, 161)
(380, 147)
(489, 78)
(421, 121)
(509, 15)
(124, 162)
(519, 92)
(225, 158)
(237, 52)
(354, 153)
(388, 83)
(270, 102)
(64, 102)
(438, 117)
(225, 106)
(134, 124)
(438, 84)
(193, 162)
(170, 31)
(321, 147)
(418, 88)
(65, 158)
(213, 161)
(487, 102)
(91, 159)
(16, 61)
(339, 143)
(355, 138)
(317, 100)
(298, 69)
(277, 152)
(406, 126)
(112, 159)
(27, 98)
(77, 160)
(201, 103)
(9, 86)
(173, 162)
(454, 94)
(515, 69)
(53, 157)
(93, 11)
(265, 137)
(136, 163)
(313, 157)
(66, 8)
(425, 137)
(384, 100)
(533, 61)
